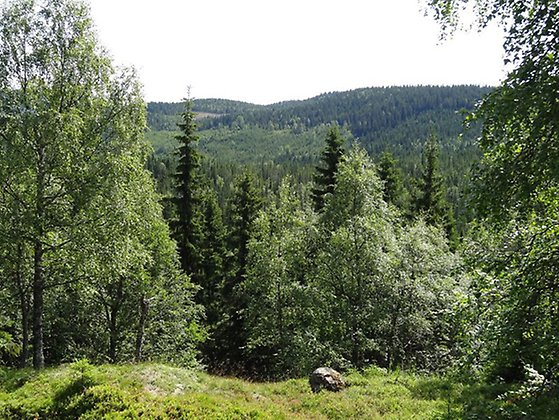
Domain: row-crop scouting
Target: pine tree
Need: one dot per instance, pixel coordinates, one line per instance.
(325, 177)
(187, 225)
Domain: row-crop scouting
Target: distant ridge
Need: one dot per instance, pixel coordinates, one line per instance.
(343, 107)
(377, 116)
(289, 136)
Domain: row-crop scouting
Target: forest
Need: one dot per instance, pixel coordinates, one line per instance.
(405, 235)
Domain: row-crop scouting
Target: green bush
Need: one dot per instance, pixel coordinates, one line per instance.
(94, 403)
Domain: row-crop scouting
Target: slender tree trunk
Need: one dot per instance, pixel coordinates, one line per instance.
(24, 303)
(113, 320)
(23, 307)
(113, 337)
(356, 332)
(144, 306)
(38, 306)
(280, 305)
(355, 342)
(38, 274)
(24, 332)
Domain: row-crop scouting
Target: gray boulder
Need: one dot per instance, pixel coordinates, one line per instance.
(326, 378)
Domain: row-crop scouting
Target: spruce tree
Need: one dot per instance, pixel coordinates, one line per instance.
(430, 200)
(186, 225)
(244, 208)
(394, 191)
(325, 177)
(213, 255)
(231, 337)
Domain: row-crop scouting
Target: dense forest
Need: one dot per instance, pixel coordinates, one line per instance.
(398, 228)
(287, 138)
(398, 119)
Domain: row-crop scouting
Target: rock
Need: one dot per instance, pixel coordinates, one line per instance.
(326, 378)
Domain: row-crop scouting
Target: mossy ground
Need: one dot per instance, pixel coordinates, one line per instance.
(155, 391)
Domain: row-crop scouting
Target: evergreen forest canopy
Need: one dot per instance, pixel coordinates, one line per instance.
(288, 137)
(380, 118)
(352, 229)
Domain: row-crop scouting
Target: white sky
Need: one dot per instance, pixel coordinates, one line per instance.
(265, 51)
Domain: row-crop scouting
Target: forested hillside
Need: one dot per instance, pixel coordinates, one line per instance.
(164, 116)
(394, 118)
(287, 137)
(261, 242)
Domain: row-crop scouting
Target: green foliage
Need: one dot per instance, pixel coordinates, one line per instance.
(430, 200)
(244, 207)
(279, 310)
(186, 226)
(89, 251)
(515, 277)
(366, 112)
(230, 336)
(382, 118)
(8, 347)
(68, 121)
(253, 145)
(424, 311)
(393, 188)
(213, 273)
(516, 190)
(88, 268)
(214, 254)
(356, 260)
(163, 142)
(287, 138)
(519, 137)
(164, 116)
(158, 391)
(351, 287)
(325, 176)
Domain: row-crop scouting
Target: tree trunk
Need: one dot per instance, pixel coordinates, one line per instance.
(144, 306)
(24, 333)
(24, 303)
(113, 320)
(113, 337)
(23, 307)
(38, 274)
(38, 305)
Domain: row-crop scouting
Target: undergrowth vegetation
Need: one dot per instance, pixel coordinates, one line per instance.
(84, 391)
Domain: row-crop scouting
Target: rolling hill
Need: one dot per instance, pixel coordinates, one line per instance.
(394, 118)
(288, 137)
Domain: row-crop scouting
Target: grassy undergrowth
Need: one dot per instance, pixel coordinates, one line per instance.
(155, 391)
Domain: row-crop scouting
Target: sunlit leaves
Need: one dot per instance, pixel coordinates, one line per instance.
(352, 286)
(74, 189)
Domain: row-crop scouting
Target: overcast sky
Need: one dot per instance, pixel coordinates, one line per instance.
(265, 51)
